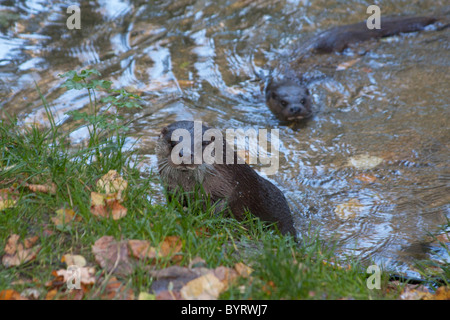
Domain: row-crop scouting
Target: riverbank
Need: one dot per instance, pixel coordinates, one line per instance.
(85, 219)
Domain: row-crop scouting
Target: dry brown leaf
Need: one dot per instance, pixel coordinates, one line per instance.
(44, 188)
(225, 275)
(146, 296)
(243, 270)
(11, 244)
(117, 210)
(8, 198)
(364, 177)
(141, 249)
(71, 260)
(349, 210)
(97, 199)
(169, 246)
(87, 275)
(74, 294)
(17, 253)
(116, 290)
(112, 255)
(31, 293)
(10, 294)
(206, 287)
(103, 205)
(112, 183)
(442, 293)
(51, 294)
(347, 64)
(31, 241)
(64, 216)
(414, 292)
(173, 278)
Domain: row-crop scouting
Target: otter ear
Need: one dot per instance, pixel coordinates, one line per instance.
(164, 131)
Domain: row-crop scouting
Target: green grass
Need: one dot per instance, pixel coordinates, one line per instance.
(283, 269)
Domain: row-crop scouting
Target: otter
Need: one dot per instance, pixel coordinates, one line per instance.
(230, 186)
(289, 99)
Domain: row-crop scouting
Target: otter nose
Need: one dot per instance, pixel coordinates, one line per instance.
(296, 109)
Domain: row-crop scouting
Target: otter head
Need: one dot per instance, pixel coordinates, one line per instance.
(179, 152)
(288, 100)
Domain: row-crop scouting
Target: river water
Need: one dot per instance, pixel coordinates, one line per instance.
(370, 169)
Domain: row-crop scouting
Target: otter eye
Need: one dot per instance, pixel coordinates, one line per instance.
(283, 103)
(173, 143)
(303, 101)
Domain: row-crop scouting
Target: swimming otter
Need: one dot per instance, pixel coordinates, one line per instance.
(289, 99)
(236, 186)
(337, 39)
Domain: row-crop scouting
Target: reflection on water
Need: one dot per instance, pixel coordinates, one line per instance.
(192, 60)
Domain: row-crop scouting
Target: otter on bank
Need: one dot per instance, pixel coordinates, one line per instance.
(236, 186)
(289, 99)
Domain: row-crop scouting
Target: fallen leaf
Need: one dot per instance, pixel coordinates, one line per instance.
(349, 210)
(76, 260)
(31, 293)
(51, 294)
(116, 290)
(10, 294)
(86, 275)
(17, 253)
(8, 198)
(414, 292)
(11, 244)
(141, 249)
(64, 217)
(74, 294)
(112, 183)
(364, 177)
(146, 296)
(442, 293)
(29, 242)
(173, 278)
(243, 270)
(44, 188)
(169, 246)
(103, 205)
(112, 255)
(118, 211)
(228, 275)
(206, 287)
(347, 64)
(97, 199)
(364, 161)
